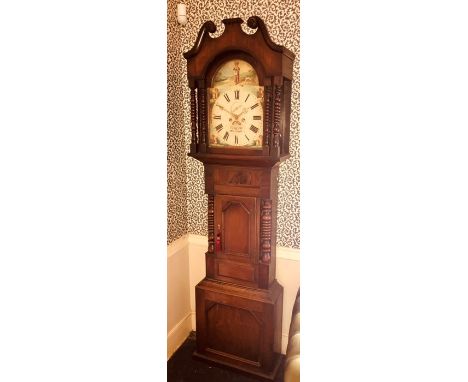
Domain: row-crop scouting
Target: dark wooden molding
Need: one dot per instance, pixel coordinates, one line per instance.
(235, 20)
(240, 160)
(253, 22)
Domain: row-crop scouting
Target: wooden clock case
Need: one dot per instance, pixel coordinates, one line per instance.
(239, 304)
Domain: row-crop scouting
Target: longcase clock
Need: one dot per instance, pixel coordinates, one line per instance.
(240, 97)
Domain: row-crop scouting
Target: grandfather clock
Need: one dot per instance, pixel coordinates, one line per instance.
(240, 98)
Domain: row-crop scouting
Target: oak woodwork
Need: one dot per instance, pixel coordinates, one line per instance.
(239, 303)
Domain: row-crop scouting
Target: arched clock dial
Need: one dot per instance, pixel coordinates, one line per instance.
(240, 107)
(236, 119)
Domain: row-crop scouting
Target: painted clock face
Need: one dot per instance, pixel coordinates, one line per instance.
(235, 107)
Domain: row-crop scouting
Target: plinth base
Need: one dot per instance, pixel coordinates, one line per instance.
(240, 327)
(218, 361)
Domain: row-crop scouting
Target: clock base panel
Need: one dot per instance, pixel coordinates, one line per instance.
(239, 326)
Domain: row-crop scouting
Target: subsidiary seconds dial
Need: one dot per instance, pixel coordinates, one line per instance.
(236, 119)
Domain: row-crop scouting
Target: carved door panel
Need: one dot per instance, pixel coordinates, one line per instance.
(236, 234)
(236, 226)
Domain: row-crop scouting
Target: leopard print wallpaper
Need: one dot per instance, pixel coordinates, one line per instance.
(185, 175)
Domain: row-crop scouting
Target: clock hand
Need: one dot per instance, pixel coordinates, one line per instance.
(222, 108)
(237, 107)
(242, 112)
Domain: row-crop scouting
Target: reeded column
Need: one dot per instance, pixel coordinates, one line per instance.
(277, 117)
(193, 119)
(265, 231)
(267, 132)
(202, 119)
(211, 223)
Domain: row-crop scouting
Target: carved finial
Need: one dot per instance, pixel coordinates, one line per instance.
(252, 22)
(207, 27)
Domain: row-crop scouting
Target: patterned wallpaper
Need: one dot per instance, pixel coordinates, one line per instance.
(176, 131)
(185, 175)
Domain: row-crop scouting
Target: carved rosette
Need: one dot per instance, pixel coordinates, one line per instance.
(193, 116)
(265, 231)
(201, 115)
(211, 223)
(267, 132)
(277, 116)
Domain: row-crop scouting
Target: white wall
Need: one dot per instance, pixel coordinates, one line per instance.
(178, 294)
(192, 248)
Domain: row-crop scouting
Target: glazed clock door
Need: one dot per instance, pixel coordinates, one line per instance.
(236, 230)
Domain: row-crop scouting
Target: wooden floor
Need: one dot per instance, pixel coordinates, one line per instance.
(181, 367)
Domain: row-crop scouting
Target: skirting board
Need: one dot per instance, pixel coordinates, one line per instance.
(287, 274)
(178, 334)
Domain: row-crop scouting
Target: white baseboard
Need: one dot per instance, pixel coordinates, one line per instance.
(284, 342)
(178, 334)
(177, 245)
(194, 322)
